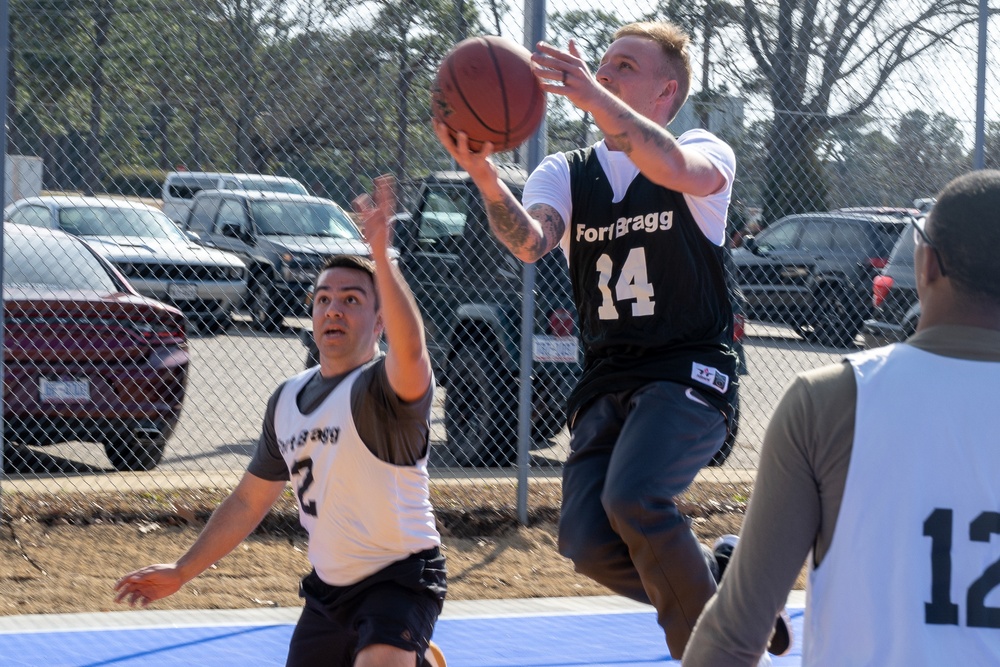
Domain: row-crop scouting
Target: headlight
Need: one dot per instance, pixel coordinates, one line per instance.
(235, 272)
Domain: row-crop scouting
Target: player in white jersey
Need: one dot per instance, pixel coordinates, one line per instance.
(352, 437)
(886, 468)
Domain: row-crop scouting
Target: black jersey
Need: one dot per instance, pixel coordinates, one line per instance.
(651, 290)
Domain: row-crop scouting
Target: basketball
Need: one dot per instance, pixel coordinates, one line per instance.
(485, 88)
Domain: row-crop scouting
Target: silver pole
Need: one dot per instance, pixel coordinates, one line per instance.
(4, 46)
(979, 157)
(534, 32)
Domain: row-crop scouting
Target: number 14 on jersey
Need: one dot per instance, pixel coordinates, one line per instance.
(632, 285)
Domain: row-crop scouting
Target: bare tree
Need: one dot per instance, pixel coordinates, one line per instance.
(811, 53)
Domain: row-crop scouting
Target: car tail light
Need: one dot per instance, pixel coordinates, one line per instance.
(880, 289)
(739, 327)
(161, 329)
(561, 322)
(878, 262)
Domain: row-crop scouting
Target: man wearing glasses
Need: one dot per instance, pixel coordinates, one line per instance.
(886, 467)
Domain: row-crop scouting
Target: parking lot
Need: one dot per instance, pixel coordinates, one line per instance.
(233, 374)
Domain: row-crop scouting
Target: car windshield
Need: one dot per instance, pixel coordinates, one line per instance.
(118, 221)
(298, 218)
(288, 187)
(53, 262)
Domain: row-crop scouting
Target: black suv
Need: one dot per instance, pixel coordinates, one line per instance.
(814, 271)
(283, 238)
(895, 308)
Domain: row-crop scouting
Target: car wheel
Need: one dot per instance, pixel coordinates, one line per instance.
(217, 324)
(836, 320)
(479, 419)
(263, 309)
(549, 423)
(727, 444)
(129, 453)
(312, 357)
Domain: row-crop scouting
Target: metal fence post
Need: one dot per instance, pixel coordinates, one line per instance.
(534, 13)
(4, 70)
(979, 157)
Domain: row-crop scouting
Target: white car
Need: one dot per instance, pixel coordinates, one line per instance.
(159, 260)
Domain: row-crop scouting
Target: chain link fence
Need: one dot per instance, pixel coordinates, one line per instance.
(843, 116)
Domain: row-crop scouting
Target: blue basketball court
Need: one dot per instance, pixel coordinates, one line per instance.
(545, 632)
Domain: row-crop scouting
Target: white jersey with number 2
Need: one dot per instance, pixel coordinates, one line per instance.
(362, 513)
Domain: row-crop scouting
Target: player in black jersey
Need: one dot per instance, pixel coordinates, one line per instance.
(641, 217)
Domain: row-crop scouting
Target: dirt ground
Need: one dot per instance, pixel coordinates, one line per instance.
(63, 554)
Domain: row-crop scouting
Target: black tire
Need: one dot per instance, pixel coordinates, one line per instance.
(312, 357)
(480, 415)
(549, 424)
(216, 325)
(727, 445)
(128, 453)
(263, 309)
(836, 319)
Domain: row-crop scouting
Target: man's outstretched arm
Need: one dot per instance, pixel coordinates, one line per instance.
(229, 525)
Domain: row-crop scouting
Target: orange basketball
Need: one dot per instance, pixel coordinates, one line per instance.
(485, 88)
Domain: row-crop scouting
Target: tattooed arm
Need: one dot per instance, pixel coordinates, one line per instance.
(528, 234)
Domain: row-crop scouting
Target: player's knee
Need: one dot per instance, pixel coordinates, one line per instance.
(624, 505)
(383, 655)
(589, 556)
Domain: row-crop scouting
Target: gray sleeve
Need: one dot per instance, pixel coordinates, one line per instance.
(796, 498)
(395, 431)
(267, 462)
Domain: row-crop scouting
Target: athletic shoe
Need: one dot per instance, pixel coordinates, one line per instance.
(434, 657)
(723, 551)
(781, 637)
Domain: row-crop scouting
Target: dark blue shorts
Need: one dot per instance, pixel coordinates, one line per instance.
(397, 606)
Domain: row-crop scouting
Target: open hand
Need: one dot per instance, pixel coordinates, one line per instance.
(565, 73)
(376, 212)
(148, 584)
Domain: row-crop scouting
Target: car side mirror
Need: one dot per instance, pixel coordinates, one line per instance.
(750, 243)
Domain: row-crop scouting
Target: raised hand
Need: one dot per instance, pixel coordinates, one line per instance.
(377, 213)
(565, 73)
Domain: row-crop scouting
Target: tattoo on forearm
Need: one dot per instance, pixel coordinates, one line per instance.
(649, 134)
(512, 228)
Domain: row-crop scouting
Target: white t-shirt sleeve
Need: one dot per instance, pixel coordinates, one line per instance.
(549, 184)
(710, 211)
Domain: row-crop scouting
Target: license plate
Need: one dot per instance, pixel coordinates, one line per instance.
(64, 390)
(182, 291)
(563, 349)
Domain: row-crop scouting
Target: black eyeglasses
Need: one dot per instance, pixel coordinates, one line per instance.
(920, 235)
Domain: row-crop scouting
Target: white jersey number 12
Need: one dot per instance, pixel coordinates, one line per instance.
(632, 285)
